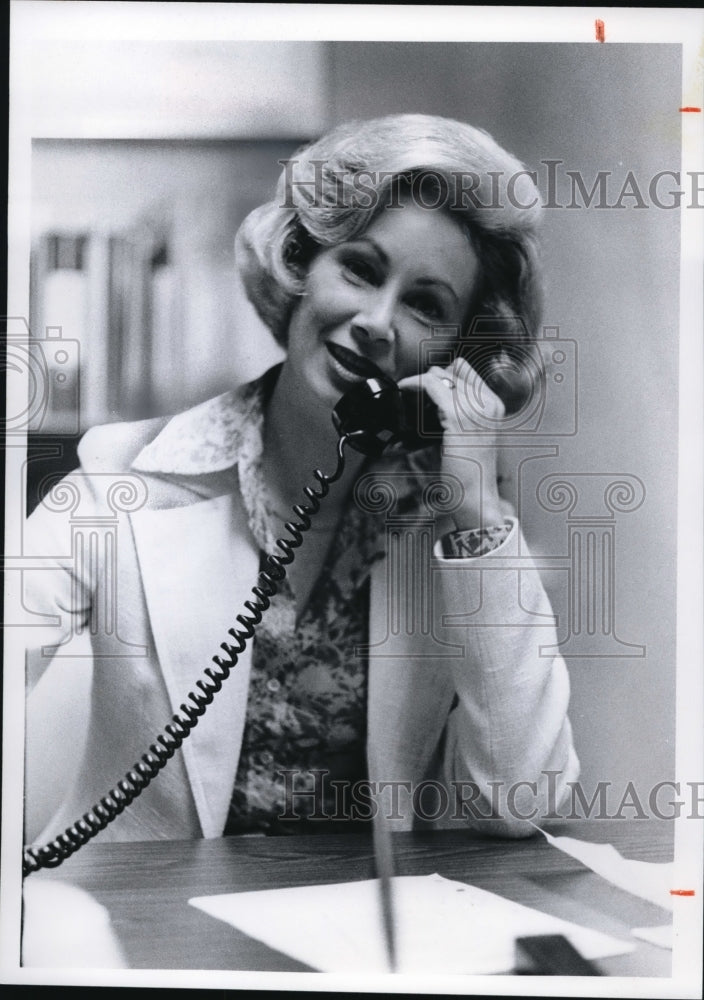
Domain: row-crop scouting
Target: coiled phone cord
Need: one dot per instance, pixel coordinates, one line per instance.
(134, 782)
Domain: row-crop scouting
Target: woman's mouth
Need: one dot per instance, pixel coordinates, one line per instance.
(350, 366)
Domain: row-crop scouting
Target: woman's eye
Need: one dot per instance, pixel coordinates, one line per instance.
(360, 269)
(427, 305)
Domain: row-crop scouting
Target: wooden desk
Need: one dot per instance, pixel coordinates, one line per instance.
(145, 886)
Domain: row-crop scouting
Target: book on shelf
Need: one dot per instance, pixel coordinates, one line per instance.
(104, 321)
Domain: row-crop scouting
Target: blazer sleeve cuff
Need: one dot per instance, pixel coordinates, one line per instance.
(508, 547)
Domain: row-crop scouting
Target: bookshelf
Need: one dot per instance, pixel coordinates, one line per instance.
(99, 302)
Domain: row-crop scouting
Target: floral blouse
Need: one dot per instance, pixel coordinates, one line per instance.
(308, 692)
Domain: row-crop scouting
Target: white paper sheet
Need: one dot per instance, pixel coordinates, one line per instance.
(64, 927)
(661, 936)
(646, 879)
(441, 926)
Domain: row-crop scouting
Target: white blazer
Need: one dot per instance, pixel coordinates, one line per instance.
(468, 699)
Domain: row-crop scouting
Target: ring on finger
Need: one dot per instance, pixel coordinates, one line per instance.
(444, 378)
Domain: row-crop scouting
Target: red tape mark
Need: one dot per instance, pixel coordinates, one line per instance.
(681, 892)
(688, 108)
(599, 29)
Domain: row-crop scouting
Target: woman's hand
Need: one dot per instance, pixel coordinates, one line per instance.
(454, 389)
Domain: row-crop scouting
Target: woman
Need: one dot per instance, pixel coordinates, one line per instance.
(385, 242)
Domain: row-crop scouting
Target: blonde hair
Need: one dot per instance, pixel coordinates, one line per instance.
(331, 190)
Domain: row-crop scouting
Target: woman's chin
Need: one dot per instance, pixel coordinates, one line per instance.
(318, 388)
(317, 394)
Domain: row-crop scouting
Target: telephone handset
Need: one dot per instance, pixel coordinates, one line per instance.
(376, 414)
(369, 418)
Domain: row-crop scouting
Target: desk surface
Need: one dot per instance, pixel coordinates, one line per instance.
(145, 886)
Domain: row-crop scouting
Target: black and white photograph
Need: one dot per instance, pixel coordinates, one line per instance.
(353, 535)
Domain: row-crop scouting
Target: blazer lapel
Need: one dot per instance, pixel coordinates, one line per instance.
(198, 564)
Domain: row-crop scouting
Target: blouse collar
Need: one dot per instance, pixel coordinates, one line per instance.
(210, 437)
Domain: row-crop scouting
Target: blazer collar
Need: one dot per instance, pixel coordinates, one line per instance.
(198, 562)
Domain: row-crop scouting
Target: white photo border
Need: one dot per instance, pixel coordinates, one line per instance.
(88, 21)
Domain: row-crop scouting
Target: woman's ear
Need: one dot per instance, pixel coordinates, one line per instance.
(298, 251)
(512, 370)
(516, 375)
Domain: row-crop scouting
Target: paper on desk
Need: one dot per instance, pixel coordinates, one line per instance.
(646, 879)
(661, 936)
(441, 926)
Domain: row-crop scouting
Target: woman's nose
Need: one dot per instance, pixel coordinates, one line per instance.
(375, 321)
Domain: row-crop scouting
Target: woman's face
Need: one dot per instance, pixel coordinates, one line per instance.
(377, 296)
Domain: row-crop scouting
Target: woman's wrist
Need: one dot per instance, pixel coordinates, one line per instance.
(487, 515)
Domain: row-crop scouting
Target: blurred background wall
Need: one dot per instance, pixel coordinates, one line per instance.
(151, 155)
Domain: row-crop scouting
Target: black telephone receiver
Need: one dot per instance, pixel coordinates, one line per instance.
(369, 418)
(376, 414)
